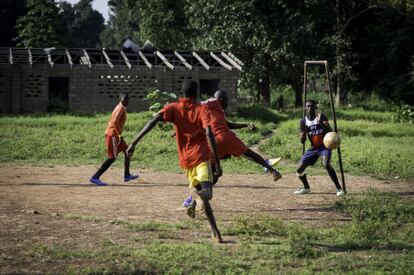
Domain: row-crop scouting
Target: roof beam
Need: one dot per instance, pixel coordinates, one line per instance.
(232, 62)
(108, 60)
(221, 62)
(30, 57)
(145, 59)
(168, 64)
(236, 59)
(49, 59)
(126, 59)
(202, 62)
(69, 57)
(182, 59)
(85, 53)
(11, 56)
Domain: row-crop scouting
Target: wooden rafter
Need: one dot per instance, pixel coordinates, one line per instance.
(145, 59)
(126, 59)
(85, 53)
(108, 60)
(11, 56)
(49, 59)
(221, 62)
(69, 58)
(202, 62)
(232, 62)
(30, 56)
(236, 59)
(182, 59)
(168, 64)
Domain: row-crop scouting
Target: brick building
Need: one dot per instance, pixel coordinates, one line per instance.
(89, 80)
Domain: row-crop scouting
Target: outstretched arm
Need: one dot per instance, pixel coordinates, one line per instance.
(213, 145)
(143, 132)
(240, 125)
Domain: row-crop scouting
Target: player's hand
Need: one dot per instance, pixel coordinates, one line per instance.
(130, 150)
(251, 127)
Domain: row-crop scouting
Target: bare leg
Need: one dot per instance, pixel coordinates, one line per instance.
(253, 156)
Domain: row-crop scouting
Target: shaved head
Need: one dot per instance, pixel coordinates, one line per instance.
(223, 97)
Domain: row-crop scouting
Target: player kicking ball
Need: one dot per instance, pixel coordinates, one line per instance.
(193, 136)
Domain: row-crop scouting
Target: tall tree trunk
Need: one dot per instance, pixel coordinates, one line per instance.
(340, 74)
(265, 90)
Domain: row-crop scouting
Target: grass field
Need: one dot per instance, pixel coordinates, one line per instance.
(377, 236)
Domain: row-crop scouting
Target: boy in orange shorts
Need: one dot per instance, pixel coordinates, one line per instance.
(115, 143)
(193, 136)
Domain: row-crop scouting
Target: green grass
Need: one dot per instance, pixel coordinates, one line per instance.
(372, 143)
(376, 240)
(372, 146)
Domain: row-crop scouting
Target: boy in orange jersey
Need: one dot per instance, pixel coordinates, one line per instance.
(193, 136)
(115, 143)
(228, 144)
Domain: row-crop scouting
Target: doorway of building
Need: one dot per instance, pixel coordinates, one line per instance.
(58, 95)
(208, 87)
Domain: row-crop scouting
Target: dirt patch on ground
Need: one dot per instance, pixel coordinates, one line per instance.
(35, 203)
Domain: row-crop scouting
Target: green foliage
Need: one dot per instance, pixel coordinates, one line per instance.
(39, 27)
(404, 113)
(264, 227)
(158, 99)
(81, 24)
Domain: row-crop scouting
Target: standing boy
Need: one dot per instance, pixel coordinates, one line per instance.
(193, 135)
(315, 126)
(115, 143)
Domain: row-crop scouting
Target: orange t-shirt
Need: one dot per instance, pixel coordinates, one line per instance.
(116, 121)
(190, 120)
(227, 141)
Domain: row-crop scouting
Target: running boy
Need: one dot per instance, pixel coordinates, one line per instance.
(315, 126)
(193, 135)
(115, 143)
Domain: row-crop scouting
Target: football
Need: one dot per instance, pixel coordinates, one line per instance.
(332, 140)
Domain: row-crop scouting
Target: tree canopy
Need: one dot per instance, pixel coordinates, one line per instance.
(369, 43)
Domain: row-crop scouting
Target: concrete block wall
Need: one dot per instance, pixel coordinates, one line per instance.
(25, 88)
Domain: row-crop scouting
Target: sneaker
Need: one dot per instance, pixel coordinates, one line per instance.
(187, 201)
(276, 176)
(302, 191)
(271, 162)
(130, 177)
(191, 207)
(97, 182)
(340, 193)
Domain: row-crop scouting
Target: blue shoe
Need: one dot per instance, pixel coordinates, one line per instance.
(130, 177)
(187, 202)
(97, 182)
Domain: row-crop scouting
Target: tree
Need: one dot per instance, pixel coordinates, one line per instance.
(10, 10)
(82, 24)
(123, 23)
(38, 28)
(271, 38)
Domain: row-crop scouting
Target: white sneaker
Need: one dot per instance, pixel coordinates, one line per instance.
(272, 162)
(302, 191)
(340, 193)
